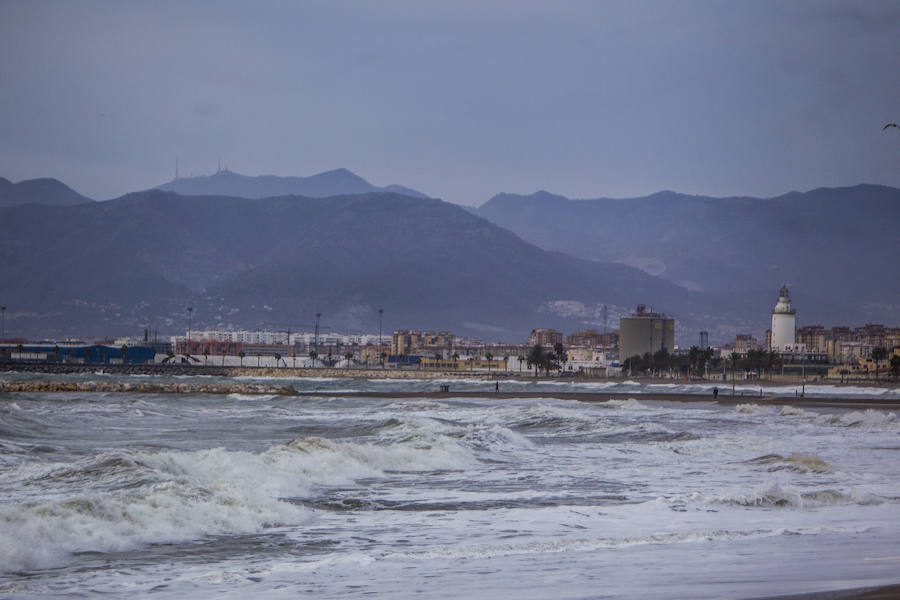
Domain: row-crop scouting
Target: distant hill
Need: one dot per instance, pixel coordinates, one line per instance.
(140, 260)
(39, 191)
(330, 183)
(836, 247)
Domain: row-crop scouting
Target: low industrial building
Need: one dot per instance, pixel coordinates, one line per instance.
(77, 353)
(439, 364)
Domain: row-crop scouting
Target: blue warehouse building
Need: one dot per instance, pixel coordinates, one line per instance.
(76, 353)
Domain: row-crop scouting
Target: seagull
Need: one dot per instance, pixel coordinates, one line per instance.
(890, 125)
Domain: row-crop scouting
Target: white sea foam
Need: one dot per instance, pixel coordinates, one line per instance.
(486, 551)
(754, 409)
(252, 397)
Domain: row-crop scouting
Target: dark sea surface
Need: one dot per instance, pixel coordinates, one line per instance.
(194, 496)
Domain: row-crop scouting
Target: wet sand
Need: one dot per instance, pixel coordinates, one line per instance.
(885, 592)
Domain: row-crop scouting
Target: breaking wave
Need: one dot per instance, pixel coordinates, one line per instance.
(799, 463)
(868, 419)
(629, 403)
(865, 419)
(120, 501)
(777, 496)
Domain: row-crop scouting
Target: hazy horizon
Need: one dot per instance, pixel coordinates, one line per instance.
(460, 102)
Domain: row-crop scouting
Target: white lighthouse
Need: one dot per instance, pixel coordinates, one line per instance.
(782, 321)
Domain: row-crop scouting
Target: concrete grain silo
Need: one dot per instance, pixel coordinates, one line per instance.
(645, 331)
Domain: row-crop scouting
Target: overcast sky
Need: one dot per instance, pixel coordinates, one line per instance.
(460, 100)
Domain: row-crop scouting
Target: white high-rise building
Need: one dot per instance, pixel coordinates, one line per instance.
(783, 321)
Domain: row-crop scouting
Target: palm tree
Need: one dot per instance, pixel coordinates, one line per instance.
(241, 356)
(521, 360)
(560, 352)
(895, 364)
(312, 356)
(349, 357)
(383, 356)
(277, 359)
(734, 359)
(537, 357)
(124, 353)
(206, 356)
(489, 356)
(224, 352)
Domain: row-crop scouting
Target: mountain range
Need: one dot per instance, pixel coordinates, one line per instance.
(330, 183)
(140, 260)
(71, 266)
(835, 247)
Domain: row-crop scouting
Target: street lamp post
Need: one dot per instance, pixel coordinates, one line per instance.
(190, 319)
(380, 318)
(318, 315)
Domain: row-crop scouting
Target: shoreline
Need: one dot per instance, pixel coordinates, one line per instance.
(259, 389)
(778, 381)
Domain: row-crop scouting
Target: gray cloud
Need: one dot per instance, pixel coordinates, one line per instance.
(461, 100)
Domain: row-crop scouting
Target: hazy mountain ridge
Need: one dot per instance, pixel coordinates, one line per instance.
(39, 191)
(99, 267)
(329, 183)
(835, 246)
(140, 260)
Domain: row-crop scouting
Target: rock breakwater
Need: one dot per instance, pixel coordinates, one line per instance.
(146, 387)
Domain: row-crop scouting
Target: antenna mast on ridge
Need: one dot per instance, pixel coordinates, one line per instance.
(604, 320)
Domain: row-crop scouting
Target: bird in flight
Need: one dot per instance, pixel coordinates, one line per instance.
(890, 125)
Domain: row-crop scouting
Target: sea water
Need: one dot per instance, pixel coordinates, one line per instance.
(190, 496)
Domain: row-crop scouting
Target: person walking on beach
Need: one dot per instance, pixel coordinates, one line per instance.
(497, 387)
(715, 392)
